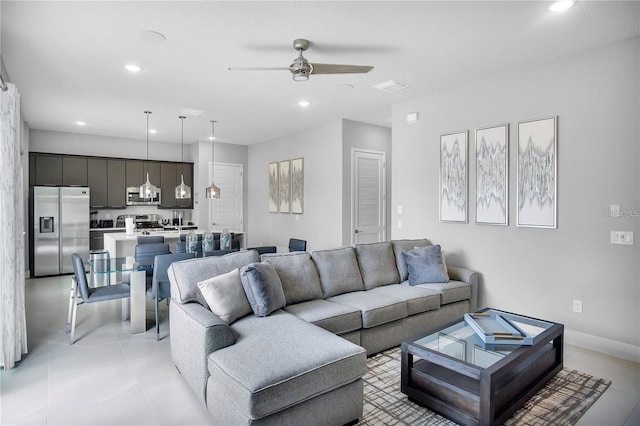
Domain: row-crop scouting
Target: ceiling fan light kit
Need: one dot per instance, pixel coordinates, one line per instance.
(301, 69)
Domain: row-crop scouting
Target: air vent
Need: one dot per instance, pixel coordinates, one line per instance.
(390, 86)
(190, 112)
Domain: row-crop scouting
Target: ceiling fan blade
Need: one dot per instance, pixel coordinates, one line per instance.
(259, 68)
(339, 69)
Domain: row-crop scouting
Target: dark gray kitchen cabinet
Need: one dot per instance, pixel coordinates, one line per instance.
(106, 179)
(74, 171)
(137, 172)
(48, 170)
(116, 184)
(170, 174)
(186, 170)
(97, 181)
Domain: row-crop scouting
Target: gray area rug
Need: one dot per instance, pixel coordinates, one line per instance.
(561, 402)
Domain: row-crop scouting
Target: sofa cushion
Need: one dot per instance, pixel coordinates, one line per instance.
(376, 309)
(298, 274)
(405, 245)
(377, 264)
(334, 317)
(453, 291)
(185, 275)
(418, 299)
(425, 265)
(339, 271)
(225, 296)
(263, 288)
(295, 360)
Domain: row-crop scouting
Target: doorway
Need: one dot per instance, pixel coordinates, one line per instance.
(368, 195)
(226, 212)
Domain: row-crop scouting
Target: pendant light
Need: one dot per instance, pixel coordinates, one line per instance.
(212, 192)
(147, 189)
(182, 191)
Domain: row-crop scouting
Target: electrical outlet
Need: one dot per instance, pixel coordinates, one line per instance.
(577, 306)
(622, 237)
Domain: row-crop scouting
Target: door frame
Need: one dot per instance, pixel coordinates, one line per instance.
(383, 196)
(241, 205)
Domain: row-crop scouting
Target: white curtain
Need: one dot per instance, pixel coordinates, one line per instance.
(13, 337)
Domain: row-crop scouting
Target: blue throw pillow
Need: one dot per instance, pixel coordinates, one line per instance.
(263, 288)
(426, 265)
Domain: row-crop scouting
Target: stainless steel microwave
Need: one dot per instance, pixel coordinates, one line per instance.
(134, 198)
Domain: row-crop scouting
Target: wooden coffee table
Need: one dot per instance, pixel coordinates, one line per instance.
(453, 372)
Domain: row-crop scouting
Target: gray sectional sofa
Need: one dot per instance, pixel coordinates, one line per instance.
(323, 313)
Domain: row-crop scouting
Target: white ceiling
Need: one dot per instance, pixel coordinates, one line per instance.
(67, 58)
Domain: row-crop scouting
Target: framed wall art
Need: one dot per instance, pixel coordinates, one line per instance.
(297, 185)
(492, 174)
(453, 177)
(274, 189)
(285, 186)
(537, 173)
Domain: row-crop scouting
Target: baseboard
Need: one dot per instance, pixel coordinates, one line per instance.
(600, 344)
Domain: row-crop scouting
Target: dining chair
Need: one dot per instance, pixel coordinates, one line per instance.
(297, 245)
(150, 239)
(264, 249)
(80, 290)
(160, 285)
(181, 247)
(144, 255)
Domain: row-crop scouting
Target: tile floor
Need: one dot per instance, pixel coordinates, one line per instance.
(111, 377)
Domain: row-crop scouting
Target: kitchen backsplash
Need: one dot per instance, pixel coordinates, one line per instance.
(162, 214)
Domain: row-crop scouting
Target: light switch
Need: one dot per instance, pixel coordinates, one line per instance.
(399, 223)
(399, 208)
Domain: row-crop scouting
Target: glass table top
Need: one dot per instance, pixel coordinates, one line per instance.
(460, 341)
(109, 265)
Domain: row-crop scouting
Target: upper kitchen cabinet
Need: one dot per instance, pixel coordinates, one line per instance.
(170, 178)
(47, 170)
(136, 173)
(106, 178)
(74, 171)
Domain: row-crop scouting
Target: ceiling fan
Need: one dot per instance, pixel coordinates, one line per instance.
(301, 68)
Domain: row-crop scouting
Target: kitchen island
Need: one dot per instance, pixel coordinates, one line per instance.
(119, 244)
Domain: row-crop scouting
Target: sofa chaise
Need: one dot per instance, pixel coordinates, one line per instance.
(283, 338)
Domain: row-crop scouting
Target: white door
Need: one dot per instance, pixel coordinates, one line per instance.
(368, 196)
(226, 211)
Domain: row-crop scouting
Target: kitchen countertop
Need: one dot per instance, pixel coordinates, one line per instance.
(114, 229)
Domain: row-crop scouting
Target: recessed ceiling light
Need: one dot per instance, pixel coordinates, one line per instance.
(304, 104)
(153, 131)
(559, 6)
(133, 68)
(81, 123)
(212, 138)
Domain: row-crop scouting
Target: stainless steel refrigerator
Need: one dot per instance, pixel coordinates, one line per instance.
(59, 227)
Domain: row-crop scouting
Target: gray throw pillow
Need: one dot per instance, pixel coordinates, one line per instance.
(225, 296)
(426, 265)
(263, 288)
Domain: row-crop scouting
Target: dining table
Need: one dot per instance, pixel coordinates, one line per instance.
(115, 267)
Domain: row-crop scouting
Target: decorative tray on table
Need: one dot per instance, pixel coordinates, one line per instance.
(495, 329)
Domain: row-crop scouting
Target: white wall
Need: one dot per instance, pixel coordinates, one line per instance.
(321, 222)
(538, 272)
